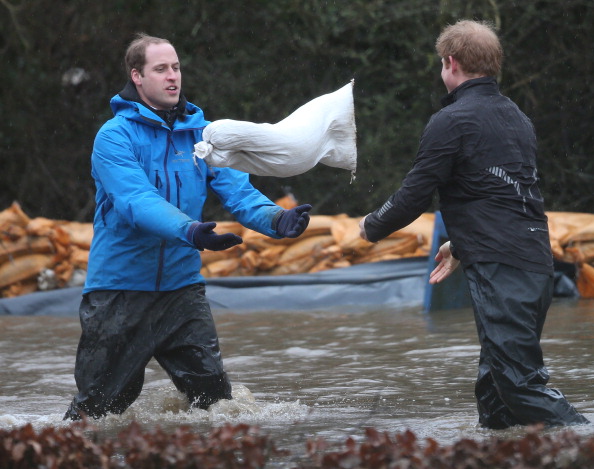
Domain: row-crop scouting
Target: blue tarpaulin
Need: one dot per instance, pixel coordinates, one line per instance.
(378, 285)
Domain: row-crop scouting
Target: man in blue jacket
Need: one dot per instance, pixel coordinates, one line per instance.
(144, 296)
(479, 154)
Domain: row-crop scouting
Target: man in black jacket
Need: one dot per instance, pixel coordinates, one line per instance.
(479, 153)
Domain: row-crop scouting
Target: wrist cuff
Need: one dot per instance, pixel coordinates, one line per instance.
(190, 235)
(276, 219)
(453, 251)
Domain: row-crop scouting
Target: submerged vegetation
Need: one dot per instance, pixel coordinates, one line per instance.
(242, 446)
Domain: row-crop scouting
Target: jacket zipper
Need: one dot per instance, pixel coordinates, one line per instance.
(168, 198)
(178, 185)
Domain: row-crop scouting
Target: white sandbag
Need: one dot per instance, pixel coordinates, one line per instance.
(321, 131)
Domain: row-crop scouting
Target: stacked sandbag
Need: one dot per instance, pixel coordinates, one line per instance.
(572, 240)
(329, 242)
(40, 253)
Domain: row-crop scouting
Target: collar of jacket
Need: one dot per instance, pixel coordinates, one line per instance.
(460, 90)
(130, 93)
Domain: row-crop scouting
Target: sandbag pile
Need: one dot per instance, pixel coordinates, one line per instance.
(41, 254)
(329, 242)
(572, 240)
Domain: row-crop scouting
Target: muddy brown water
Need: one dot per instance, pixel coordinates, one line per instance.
(302, 375)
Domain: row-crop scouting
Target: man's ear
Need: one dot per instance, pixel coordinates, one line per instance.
(454, 64)
(135, 76)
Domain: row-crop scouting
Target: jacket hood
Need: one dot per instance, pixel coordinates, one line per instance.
(128, 103)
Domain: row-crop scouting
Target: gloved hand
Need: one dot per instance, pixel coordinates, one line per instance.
(292, 223)
(203, 237)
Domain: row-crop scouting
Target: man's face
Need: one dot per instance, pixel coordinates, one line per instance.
(159, 84)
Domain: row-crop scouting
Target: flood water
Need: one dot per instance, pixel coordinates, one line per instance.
(309, 374)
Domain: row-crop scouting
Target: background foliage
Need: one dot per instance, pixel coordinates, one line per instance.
(258, 60)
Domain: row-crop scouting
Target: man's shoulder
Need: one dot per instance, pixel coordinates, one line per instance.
(116, 130)
(445, 117)
(114, 123)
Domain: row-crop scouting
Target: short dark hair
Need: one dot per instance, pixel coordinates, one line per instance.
(135, 57)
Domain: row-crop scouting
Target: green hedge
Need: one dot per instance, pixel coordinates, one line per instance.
(258, 60)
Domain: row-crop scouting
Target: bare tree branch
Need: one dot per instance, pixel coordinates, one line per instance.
(13, 10)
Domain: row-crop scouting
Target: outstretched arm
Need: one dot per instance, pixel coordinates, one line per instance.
(447, 264)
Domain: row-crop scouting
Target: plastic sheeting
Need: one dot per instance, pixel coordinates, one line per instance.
(321, 131)
(364, 287)
(377, 285)
(394, 284)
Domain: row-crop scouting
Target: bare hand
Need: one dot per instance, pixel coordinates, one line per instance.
(447, 264)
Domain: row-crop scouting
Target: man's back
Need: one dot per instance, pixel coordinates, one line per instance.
(491, 204)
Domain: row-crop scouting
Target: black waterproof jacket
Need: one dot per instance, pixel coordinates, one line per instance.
(479, 153)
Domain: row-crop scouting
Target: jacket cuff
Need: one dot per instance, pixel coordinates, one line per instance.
(190, 235)
(373, 234)
(454, 252)
(275, 219)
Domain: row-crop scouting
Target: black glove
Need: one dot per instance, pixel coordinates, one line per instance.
(202, 236)
(291, 223)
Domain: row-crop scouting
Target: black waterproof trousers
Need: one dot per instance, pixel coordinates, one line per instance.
(510, 307)
(123, 330)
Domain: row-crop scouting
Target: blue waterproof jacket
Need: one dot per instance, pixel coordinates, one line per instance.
(149, 191)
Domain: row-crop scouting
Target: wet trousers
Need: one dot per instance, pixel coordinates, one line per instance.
(123, 330)
(510, 307)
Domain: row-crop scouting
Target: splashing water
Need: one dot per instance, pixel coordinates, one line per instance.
(305, 375)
